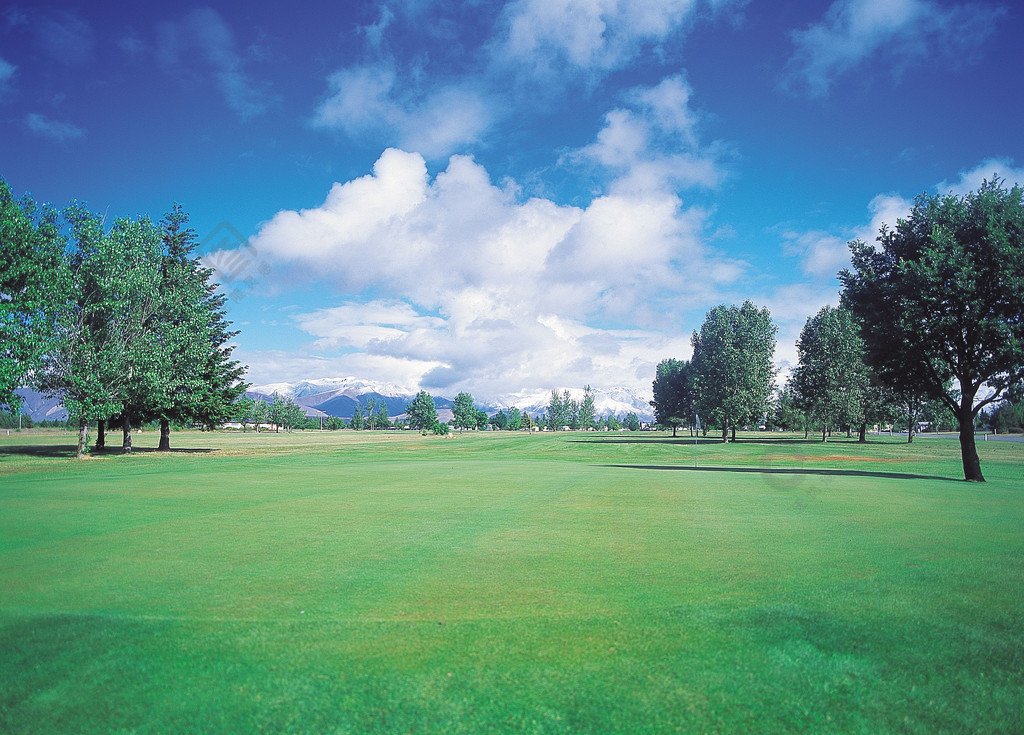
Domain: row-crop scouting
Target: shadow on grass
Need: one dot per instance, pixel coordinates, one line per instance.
(69, 450)
(785, 471)
(690, 441)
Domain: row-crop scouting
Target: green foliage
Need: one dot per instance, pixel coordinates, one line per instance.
(631, 422)
(674, 401)
(421, 412)
(31, 285)
(464, 413)
(831, 379)
(942, 300)
(732, 365)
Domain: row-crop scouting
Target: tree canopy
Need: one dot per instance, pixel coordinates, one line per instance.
(941, 302)
(732, 364)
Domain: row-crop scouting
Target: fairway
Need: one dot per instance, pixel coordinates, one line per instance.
(372, 582)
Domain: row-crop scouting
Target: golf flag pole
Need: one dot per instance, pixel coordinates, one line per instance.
(696, 436)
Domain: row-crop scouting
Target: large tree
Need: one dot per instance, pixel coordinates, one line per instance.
(89, 366)
(673, 394)
(201, 380)
(31, 265)
(422, 413)
(732, 364)
(463, 412)
(830, 376)
(941, 299)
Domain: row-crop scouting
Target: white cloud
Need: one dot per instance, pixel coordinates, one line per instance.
(589, 35)
(899, 31)
(369, 102)
(203, 36)
(971, 180)
(653, 146)
(495, 292)
(53, 129)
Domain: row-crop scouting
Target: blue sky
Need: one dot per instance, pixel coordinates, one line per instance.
(508, 197)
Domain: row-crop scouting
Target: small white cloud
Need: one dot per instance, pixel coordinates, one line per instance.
(53, 129)
(367, 102)
(972, 180)
(589, 35)
(899, 31)
(202, 41)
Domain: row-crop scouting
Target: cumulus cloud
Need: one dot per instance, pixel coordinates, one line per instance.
(200, 44)
(370, 102)
(652, 146)
(53, 129)
(494, 291)
(900, 32)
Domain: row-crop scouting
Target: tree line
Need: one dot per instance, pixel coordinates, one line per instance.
(930, 322)
(122, 323)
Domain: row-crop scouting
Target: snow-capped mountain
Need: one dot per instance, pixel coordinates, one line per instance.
(341, 386)
(338, 396)
(617, 401)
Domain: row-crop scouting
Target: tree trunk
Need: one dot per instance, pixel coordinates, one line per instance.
(83, 433)
(675, 428)
(165, 436)
(968, 450)
(126, 429)
(101, 434)
(910, 429)
(725, 433)
(734, 433)
(863, 437)
(824, 432)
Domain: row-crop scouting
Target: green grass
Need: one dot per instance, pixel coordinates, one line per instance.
(361, 583)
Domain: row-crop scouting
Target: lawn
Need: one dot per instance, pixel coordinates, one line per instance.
(362, 583)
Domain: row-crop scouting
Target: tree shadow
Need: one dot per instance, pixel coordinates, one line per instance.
(690, 441)
(70, 450)
(822, 472)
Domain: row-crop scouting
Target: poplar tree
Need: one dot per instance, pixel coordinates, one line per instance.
(732, 364)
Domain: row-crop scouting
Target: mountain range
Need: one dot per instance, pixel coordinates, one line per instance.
(339, 396)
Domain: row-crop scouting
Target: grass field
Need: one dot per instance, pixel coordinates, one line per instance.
(391, 583)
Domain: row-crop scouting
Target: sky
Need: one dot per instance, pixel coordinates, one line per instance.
(502, 198)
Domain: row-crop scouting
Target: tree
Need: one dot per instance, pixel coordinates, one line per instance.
(31, 251)
(557, 412)
(464, 412)
(830, 376)
(587, 409)
(358, 420)
(631, 422)
(942, 302)
(421, 412)
(732, 365)
(673, 402)
(86, 367)
(500, 421)
(201, 382)
(515, 419)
